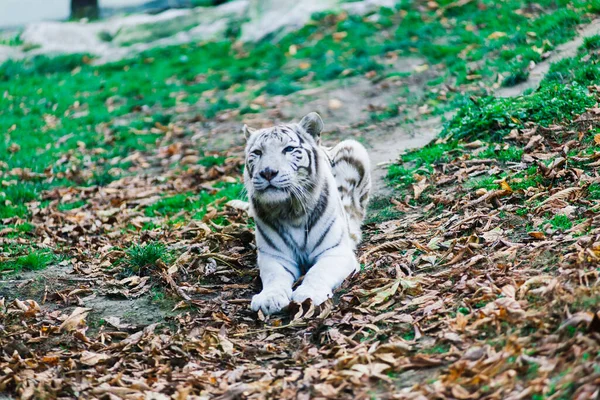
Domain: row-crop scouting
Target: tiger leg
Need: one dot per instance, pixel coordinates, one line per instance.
(277, 283)
(329, 272)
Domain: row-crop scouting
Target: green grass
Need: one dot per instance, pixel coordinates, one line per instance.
(12, 39)
(145, 256)
(594, 191)
(103, 178)
(492, 118)
(441, 348)
(71, 206)
(504, 154)
(212, 161)
(194, 203)
(562, 95)
(420, 161)
(14, 197)
(523, 181)
(9, 211)
(516, 76)
(561, 222)
(592, 42)
(485, 182)
(380, 210)
(25, 227)
(33, 261)
(21, 192)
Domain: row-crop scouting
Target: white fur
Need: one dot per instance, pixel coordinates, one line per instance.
(284, 244)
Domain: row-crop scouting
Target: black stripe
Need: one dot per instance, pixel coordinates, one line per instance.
(330, 247)
(364, 197)
(322, 204)
(280, 258)
(263, 251)
(267, 238)
(360, 168)
(266, 218)
(325, 232)
(299, 137)
(310, 161)
(290, 272)
(282, 235)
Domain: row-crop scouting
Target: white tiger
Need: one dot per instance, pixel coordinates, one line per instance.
(304, 226)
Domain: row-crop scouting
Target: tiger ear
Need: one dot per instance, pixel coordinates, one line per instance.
(313, 125)
(248, 131)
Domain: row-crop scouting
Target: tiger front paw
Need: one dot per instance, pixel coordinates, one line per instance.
(318, 294)
(271, 301)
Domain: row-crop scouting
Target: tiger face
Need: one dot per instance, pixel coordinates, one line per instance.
(281, 162)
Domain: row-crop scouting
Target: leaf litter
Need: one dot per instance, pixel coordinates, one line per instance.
(485, 284)
(484, 296)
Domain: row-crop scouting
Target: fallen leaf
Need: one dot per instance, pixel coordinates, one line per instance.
(76, 319)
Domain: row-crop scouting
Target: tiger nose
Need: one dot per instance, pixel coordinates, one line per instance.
(268, 174)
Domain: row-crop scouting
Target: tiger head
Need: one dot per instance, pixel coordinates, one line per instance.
(282, 162)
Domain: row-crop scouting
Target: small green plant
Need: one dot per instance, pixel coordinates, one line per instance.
(515, 77)
(591, 42)
(523, 181)
(211, 161)
(11, 40)
(511, 153)
(464, 310)
(35, 260)
(25, 227)
(381, 209)
(71, 206)
(438, 349)
(486, 182)
(145, 256)
(102, 178)
(419, 161)
(561, 222)
(594, 191)
(522, 212)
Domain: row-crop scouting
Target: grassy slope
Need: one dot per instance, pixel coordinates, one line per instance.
(53, 98)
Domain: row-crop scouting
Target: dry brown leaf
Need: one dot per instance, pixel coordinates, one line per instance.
(90, 358)
(75, 320)
(562, 194)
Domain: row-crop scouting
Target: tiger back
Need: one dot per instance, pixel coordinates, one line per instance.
(350, 167)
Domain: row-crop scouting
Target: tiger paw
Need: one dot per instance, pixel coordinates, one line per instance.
(271, 301)
(318, 294)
